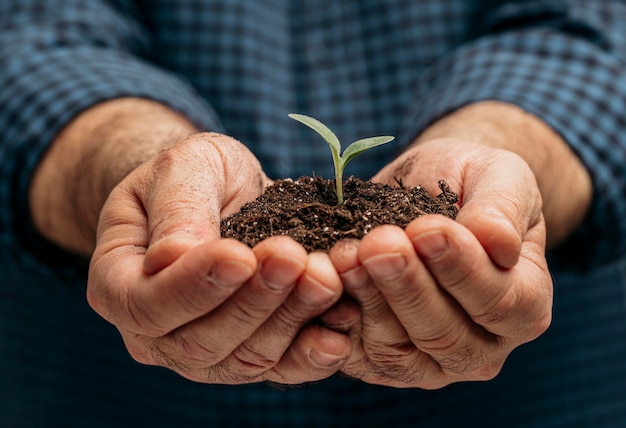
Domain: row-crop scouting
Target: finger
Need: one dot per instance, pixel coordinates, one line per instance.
(379, 324)
(182, 204)
(316, 354)
(190, 187)
(153, 305)
(499, 206)
(433, 321)
(344, 317)
(316, 291)
(506, 302)
(208, 340)
(384, 354)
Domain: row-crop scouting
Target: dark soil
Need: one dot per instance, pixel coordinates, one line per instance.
(306, 209)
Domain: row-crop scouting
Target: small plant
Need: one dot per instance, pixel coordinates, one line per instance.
(340, 160)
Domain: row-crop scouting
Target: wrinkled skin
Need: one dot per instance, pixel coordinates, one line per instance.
(445, 301)
(438, 302)
(210, 309)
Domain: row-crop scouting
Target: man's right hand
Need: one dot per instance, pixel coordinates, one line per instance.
(211, 309)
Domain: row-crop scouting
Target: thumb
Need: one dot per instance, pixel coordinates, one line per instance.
(190, 187)
(500, 205)
(182, 199)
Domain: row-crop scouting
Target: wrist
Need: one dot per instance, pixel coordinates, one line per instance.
(88, 158)
(563, 181)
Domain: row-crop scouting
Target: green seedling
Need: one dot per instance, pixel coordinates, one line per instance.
(340, 160)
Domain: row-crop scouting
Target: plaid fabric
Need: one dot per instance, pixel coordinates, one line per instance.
(365, 68)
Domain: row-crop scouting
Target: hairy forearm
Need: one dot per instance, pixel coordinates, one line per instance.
(563, 181)
(88, 158)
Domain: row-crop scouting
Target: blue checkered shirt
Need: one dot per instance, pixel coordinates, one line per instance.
(366, 68)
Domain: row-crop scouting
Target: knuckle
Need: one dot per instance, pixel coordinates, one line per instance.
(490, 371)
(125, 313)
(161, 356)
(252, 362)
(140, 357)
(397, 363)
(138, 352)
(164, 162)
(454, 353)
(100, 297)
(470, 361)
(461, 361)
(141, 320)
(247, 314)
(356, 370)
(94, 300)
(513, 204)
(224, 373)
(406, 374)
(523, 312)
(540, 326)
(497, 312)
(503, 307)
(489, 364)
(289, 318)
(194, 349)
(454, 274)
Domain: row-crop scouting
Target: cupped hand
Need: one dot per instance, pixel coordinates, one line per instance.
(444, 301)
(211, 309)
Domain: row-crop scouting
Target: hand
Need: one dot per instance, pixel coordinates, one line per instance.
(445, 301)
(211, 309)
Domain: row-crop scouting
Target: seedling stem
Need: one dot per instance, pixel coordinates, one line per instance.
(340, 160)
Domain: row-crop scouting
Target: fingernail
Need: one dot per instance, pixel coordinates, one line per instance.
(279, 273)
(323, 359)
(431, 244)
(354, 277)
(229, 273)
(313, 292)
(386, 267)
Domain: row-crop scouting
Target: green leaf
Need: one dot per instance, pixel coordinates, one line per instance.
(340, 160)
(358, 147)
(321, 129)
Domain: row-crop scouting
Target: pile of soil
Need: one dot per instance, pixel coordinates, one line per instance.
(306, 209)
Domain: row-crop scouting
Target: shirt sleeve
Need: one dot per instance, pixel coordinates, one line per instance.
(58, 58)
(565, 62)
